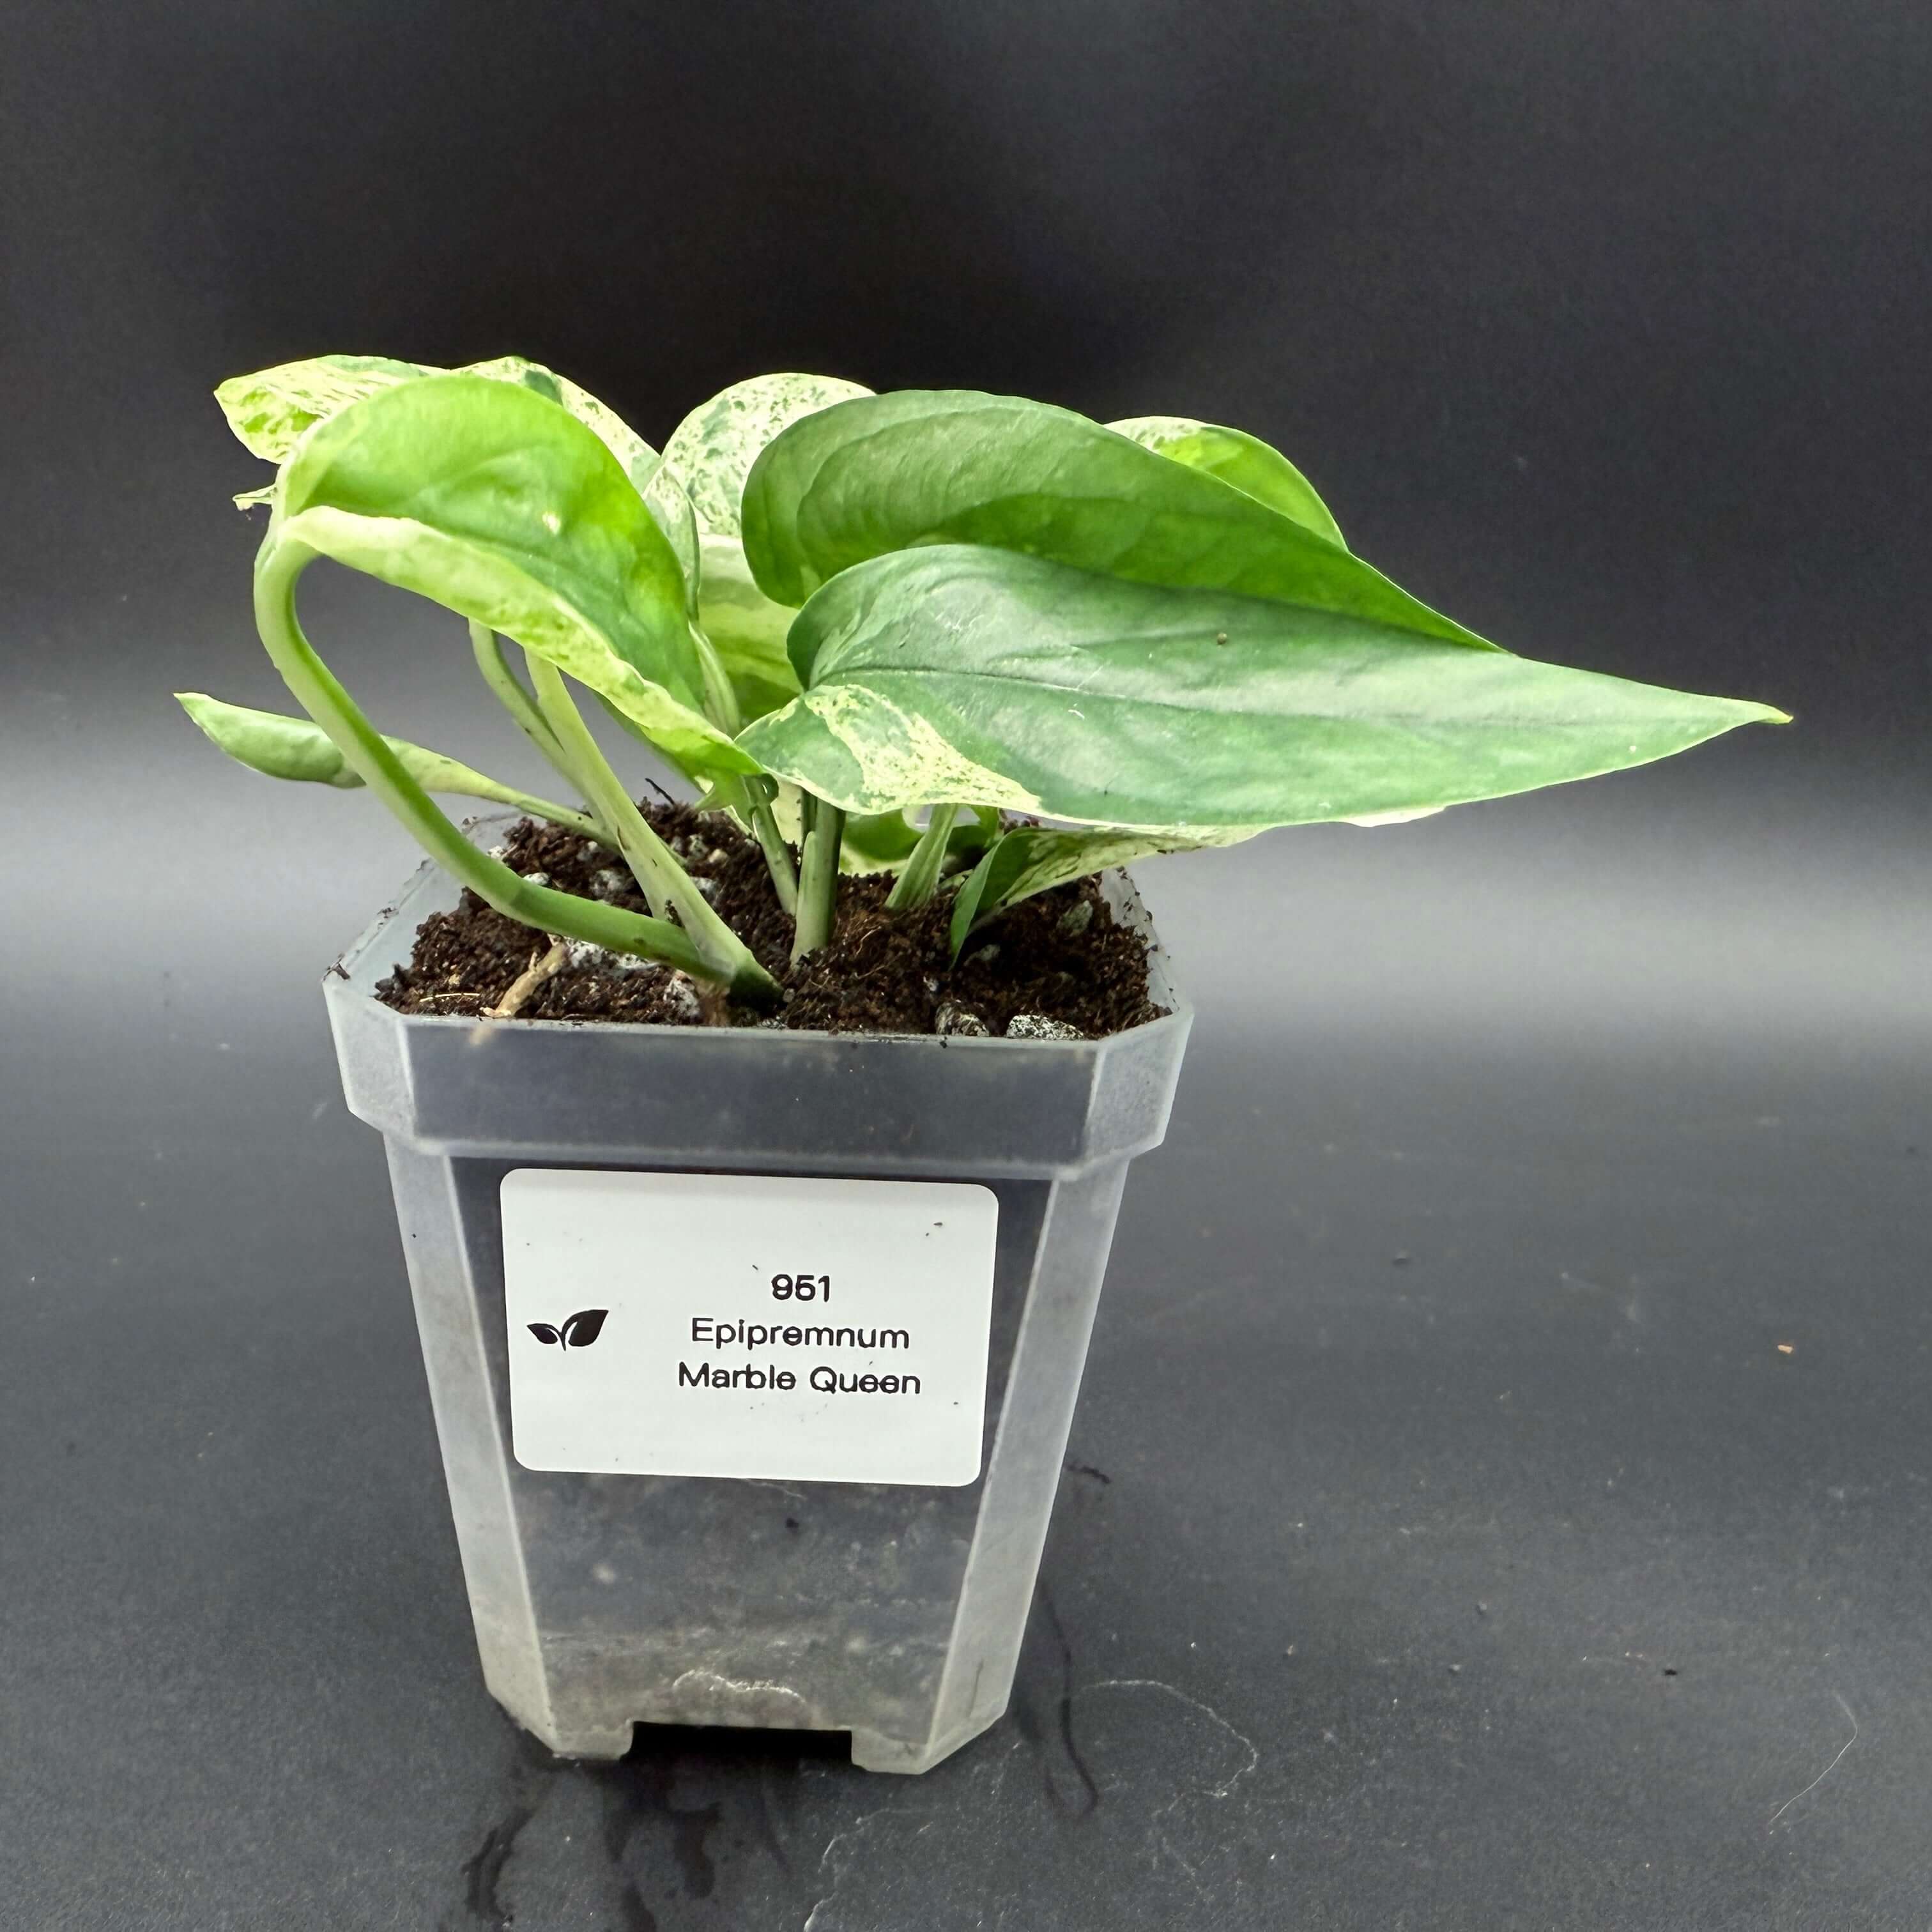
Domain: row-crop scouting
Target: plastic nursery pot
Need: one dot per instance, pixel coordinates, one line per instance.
(890, 1609)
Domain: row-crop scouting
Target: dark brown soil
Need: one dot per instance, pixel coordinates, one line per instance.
(1060, 958)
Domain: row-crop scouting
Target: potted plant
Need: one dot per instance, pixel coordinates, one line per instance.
(753, 1330)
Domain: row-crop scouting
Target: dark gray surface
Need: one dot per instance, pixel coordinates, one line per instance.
(1605, 328)
(1362, 1603)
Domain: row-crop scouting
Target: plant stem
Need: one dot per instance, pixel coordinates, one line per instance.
(316, 689)
(666, 884)
(919, 877)
(818, 876)
(584, 826)
(778, 854)
(751, 796)
(509, 690)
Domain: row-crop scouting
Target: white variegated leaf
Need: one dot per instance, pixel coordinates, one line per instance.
(711, 451)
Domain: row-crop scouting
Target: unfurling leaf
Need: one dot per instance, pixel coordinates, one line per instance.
(299, 749)
(937, 467)
(958, 673)
(584, 1328)
(545, 1333)
(1032, 858)
(1237, 457)
(495, 502)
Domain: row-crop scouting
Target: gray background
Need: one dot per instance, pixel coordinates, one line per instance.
(1451, 1544)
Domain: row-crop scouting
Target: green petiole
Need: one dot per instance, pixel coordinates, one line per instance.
(316, 689)
(919, 878)
(818, 876)
(666, 884)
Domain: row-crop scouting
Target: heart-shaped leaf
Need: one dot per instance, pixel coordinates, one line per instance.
(862, 478)
(545, 1333)
(583, 1328)
(956, 673)
(500, 506)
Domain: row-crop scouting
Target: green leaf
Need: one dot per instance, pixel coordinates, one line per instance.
(882, 842)
(1032, 858)
(300, 749)
(746, 628)
(639, 459)
(1237, 457)
(957, 673)
(862, 478)
(711, 451)
(272, 410)
(283, 747)
(483, 496)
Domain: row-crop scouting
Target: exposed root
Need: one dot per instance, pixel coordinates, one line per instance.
(523, 987)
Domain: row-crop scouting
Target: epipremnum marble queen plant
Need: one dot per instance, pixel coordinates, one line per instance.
(871, 627)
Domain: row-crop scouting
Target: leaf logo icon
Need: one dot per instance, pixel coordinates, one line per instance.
(579, 1332)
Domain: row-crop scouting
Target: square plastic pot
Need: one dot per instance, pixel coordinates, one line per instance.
(892, 1612)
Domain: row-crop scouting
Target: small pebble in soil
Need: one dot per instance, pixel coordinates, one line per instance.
(952, 1019)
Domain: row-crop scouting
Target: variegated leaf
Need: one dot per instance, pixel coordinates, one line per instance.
(954, 672)
(711, 451)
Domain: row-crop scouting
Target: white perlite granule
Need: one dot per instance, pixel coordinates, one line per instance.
(584, 953)
(1037, 1026)
(681, 992)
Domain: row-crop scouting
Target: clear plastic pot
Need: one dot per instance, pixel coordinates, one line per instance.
(893, 1612)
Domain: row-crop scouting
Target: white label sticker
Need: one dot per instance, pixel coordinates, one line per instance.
(703, 1324)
